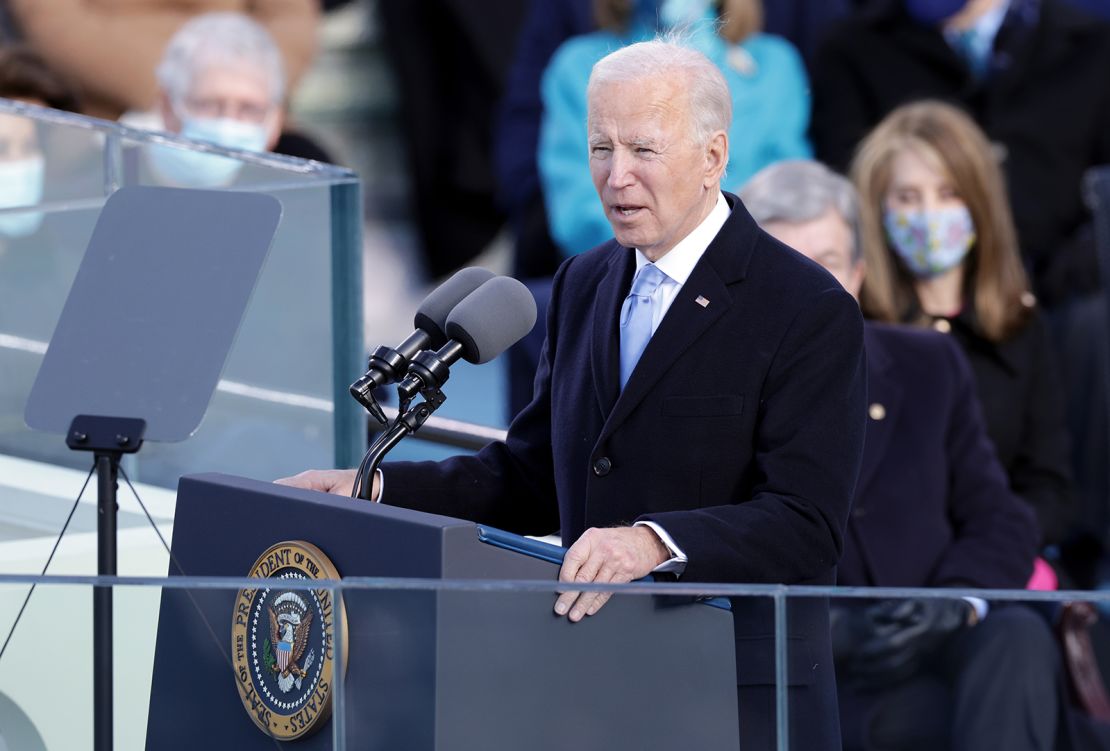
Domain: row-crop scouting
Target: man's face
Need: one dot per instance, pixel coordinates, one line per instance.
(655, 183)
(826, 240)
(241, 94)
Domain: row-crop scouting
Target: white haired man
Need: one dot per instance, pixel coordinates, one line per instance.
(221, 80)
(699, 404)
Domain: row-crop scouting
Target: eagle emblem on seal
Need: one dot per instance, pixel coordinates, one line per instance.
(282, 636)
(290, 619)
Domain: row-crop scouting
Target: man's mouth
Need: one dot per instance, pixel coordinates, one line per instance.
(626, 209)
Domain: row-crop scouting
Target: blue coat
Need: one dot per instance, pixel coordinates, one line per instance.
(933, 505)
(739, 432)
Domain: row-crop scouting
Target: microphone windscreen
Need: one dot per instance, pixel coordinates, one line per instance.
(492, 319)
(431, 316)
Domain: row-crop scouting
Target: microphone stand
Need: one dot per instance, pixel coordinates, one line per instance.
(428, 371)
(409, 420)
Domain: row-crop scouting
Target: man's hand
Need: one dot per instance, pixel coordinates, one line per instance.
(904, 635)
(338, 481)
(617, 554)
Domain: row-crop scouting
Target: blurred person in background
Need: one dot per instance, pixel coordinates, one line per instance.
(517, 131)
(25, 77)
(1035, 76)
(932, 508)
(450, 60)
(941, 251)
(110, 48)
(1015, 66)
(221, 81)
(765, 75)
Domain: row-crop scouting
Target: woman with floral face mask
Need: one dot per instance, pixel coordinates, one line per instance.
(941, 251)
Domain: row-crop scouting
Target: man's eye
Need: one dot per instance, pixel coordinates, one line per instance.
(600, 150)
(644, 150)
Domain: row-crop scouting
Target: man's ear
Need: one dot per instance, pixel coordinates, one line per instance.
(716, 158)
(170, 121)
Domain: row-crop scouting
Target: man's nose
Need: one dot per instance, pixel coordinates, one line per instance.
(621, 173)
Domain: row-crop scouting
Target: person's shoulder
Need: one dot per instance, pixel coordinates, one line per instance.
(787, 271)
(919, 355)
(1063, 15)
(868, 25)
(924, 345)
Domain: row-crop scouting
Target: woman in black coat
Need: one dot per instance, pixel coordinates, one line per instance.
(941, 251)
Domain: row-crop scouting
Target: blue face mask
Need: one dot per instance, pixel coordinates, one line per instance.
(930, 242)
(21, 183)
(933, 12)
(198, 169)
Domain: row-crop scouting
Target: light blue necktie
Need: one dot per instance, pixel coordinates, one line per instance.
(636, 316)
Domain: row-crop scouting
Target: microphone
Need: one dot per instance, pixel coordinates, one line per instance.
(388, 365)
(486, 323)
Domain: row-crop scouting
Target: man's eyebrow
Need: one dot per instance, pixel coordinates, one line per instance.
(642, 141)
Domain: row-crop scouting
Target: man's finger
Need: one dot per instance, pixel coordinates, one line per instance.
(568, 601)
(589, 603)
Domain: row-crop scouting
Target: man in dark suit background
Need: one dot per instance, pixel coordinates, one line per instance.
(699, 405)
(933, 508)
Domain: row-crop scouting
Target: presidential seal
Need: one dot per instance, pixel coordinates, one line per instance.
(282, 642)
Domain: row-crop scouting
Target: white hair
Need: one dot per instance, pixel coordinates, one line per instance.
(796, 191)
(710, 103)
(227, 40)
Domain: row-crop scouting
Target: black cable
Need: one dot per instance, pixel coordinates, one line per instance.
(49, 558)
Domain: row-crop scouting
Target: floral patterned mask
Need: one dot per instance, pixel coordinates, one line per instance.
(930, 242)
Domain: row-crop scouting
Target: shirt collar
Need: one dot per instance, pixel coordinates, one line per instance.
(679, 262)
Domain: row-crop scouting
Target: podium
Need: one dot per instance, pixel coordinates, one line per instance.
(432, 669)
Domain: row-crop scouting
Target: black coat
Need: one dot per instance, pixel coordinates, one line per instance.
(1046, 104)
(933, 506)
(1023, 402)
(739, 432)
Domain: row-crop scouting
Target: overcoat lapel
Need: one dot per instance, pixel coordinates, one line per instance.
(723, 262)
(605, 344)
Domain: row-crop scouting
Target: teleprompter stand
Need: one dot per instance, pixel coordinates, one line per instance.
(109, 438)
(167, 274)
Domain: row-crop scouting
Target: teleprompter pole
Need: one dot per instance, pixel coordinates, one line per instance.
(109, 438)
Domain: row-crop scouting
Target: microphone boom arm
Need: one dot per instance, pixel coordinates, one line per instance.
(409, 420)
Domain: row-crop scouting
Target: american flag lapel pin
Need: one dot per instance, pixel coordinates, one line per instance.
(702, 301)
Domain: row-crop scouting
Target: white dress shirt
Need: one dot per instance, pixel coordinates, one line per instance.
(677, 264)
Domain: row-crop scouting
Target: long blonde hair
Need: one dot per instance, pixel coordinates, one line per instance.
(739, 18)
(994, 278)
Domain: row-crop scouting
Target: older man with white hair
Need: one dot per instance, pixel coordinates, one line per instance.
(222, 81)
(933, 508)
(698, 410)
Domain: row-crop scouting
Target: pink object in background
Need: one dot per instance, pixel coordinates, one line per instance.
(1043, 578)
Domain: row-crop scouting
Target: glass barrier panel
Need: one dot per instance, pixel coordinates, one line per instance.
(282, 403)
(487, 663)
